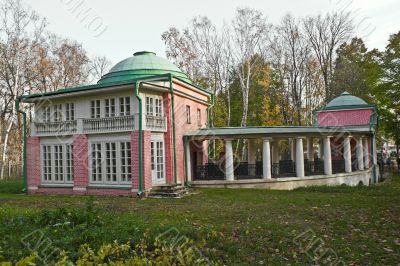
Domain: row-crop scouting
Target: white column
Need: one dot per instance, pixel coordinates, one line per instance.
(366, 153)
(375, 168)
(251, 156)
(228, 160)
(327, 155)
(310, 149)
(347, 154)
(266, 158)
(360, 154)
(299, 158)
(188, 162)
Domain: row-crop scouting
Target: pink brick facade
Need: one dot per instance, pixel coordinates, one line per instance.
(33, 164)
(344, 117)
(81, 166)
(168, 140)
(147, 178)
(81, 150)
(181, 127)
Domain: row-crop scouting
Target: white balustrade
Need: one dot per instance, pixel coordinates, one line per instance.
(109, 124)
(156, 123)
(55, 128)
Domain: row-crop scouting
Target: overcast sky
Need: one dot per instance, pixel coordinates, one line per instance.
(118, 28)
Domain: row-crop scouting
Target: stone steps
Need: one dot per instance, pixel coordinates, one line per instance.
(169, 191)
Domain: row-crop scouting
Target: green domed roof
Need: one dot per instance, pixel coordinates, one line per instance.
(142, 64)
(346, 99)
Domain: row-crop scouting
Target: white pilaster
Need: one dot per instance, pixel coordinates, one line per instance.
(299, 158)
(360, 154)
(229, 175)
(188, 162)
(266, 158)
(327, 155)
(347, 154)
(310, 149)
(366, 153)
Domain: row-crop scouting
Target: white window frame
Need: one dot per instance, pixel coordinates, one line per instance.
(49, 148)
(110, 109)
(69, 111)
(125, 106)
(47, 114)
(95, 109)
(154, 105)
(158, 139)
(121, 164)
(58, 113)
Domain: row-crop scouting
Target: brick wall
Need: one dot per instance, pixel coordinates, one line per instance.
(33, 163)
(344, 117)
(147, 180)
(81, 166)
(181, 127)
(168, 140)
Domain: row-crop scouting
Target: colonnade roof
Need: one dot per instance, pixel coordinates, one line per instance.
(276, 132)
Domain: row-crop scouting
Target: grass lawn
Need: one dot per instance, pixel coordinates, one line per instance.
(242, 226)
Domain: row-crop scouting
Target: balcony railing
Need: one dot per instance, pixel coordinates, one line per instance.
(156, 123)
(56, 128)
(109, 124)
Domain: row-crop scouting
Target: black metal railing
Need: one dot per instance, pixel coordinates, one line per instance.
(247, 171)
(313, 167)
(285, 168)
(209, 171)
(338, 166)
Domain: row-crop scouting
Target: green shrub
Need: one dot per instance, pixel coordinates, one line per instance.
(157, 253)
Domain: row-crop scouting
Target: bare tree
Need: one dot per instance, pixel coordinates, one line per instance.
(326, 34)
(98, 66)
(20, 28)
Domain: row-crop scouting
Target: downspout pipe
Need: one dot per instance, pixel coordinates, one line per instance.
(137, 86)
(209, 114)
(17, 105)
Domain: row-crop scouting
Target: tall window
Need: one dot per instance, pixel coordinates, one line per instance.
(198, 117)
(47, 163)
(160, 159)
(47, 114)
(57, 163)
(111, 162)
(149, 105)
(96, 162)
(95, 109)
(126, 175)
(70, 163)
(124, 106)
(109, 107)
(57, 112)
(70, 112)
(115, 168)
(188, 114)
(158, 107)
